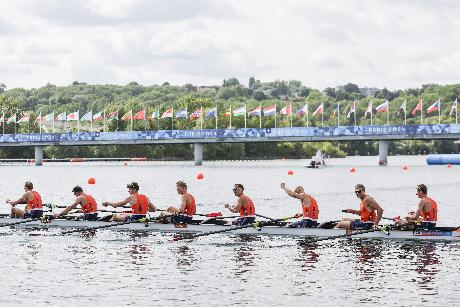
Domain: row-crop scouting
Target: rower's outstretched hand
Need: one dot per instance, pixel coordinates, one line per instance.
(227, 206)
(283, 185)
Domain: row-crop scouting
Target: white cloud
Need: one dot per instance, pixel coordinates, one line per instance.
(322, 43)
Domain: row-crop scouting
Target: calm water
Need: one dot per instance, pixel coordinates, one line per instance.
(110, 268)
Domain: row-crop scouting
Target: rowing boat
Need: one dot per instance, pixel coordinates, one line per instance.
(441, 233)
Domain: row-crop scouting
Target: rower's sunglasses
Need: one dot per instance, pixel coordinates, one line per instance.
(358, 191)
(236, 189)
(418, 189)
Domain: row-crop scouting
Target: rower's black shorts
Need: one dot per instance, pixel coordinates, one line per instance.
(90, 216)
(304, 223)
(244, 220)
(358, 225)
(33, 214)
(181, 219)
(134, 217)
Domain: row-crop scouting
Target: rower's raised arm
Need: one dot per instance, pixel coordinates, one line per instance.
(21, 200)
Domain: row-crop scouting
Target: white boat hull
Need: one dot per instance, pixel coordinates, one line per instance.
(266, 230)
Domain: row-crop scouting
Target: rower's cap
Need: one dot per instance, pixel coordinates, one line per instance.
(133, 185)
(77, 189)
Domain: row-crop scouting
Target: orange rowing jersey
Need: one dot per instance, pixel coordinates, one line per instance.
(432, 215)
(141, 206)
(36, 202)
(249, 210)
(366, 216)
(312, 211)
(190, 208)
(90, 206)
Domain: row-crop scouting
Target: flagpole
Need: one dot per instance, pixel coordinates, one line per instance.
(172, 120)
(290, 111)
(145, 119)
(421, 112)
(39, 123)
(78, 123)
(275, 114)
(338, 114)
(53, 121)
(245, 117)
(322, 115)
(231, 113)
(388, 113)
(456, 113)
(158, 118)
(28, 124)
(201, 117)
(405, 106)
(117, 120)
(260, 115)
(354, 110)
(439, 112)
(3, 123)
(216, 115)
(307, 113)
(372, 111)
(103, 120)
(131, 119)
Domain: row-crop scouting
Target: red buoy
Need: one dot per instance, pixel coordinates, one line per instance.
(91, 181)
(449, 165)
(199, 176)
(290, 172)
(352, 170)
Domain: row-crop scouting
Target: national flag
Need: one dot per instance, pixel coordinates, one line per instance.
(196, 114)
(402, 108)
(87, 117)
(286, 110)
(240, 111)
(168, 113)
(181, 114)
(74, 116)
(352, 109)
(12, 119)
(155, 114)
(2, 119)
(113, 115)
(336, 111)
(24, 119)
(302, 111)
(39, 119)
(48, 117)
(419, 107)
(212, 113)
(127, 116)
(434, 107)
(454, 108)
(61, 117)
(319, 109)
(369, 109)
(256, 112)
(271, 110)
(381, 108)
(97, 116)
(228, 112)
(139, 115)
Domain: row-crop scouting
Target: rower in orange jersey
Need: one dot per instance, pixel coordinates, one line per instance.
(244, 206)
(310, 211)
(140, 205)
(427, 208)
(34, 207)
(87, 202)
(369, 211)
(183, 214)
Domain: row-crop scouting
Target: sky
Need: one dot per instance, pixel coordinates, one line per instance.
(322, 43)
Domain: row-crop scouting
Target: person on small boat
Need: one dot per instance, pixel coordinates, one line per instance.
(87, 202)
(33, 201)
(370, 212)
(184, 213)
(140, 205)
(309, 205)
(427, 208)
(244, 206)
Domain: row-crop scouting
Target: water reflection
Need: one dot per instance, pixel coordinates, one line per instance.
(186, 259)
(308, 255)
(245, 256)
(426, 264)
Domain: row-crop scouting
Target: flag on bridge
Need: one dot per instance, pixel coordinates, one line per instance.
(168, 113)
(155, 114)
(434, 107)
(61, 117)
(139, 115)
(98, 116)
(419, 107)
(403, 108)
(271, 110)
(382, 108)
(74, 116)
(113, 115)
(255, 112)
(454, 108)
(87, 117)
(369, 110)
(196, 114)
(352, 109)
(286, 110)
(240, 111)
(181, 114)
(127, 116)
(228, 112)
(302, 111)
(212, 113)
(24, 118)
(319, 109)
(2, 119)
(12, 119)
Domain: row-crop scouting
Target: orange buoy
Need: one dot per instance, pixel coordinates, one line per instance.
(290, 172)
(126, 163)
(405, 167)
(449, 165)
(91, 181)
(199, 176)
(352, 170)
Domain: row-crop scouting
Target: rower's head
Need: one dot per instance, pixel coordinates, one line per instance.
(28, 186)
(77, 190)
(238, 189)
(422, 190)
(360, 190)
(299, 189)
(133, 187)
(181, 187)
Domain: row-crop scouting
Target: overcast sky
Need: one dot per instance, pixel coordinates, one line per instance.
(394, 44)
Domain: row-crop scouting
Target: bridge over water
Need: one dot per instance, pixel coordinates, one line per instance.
(382, 134)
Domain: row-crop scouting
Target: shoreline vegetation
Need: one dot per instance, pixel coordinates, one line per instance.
(157, 99)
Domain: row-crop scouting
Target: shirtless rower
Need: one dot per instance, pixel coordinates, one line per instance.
(34, 207)
(187, 208)
(427, 208)
(87, 203)
(140, 205)
(369, 211)
(244, 206)
(309, 205)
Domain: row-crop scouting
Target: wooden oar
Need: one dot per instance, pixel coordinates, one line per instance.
(385, 229)
(256, 225)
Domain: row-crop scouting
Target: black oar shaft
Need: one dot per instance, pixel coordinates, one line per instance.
(97, 227)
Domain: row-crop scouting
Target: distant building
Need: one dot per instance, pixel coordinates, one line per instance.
(206, 89)
(365, 91)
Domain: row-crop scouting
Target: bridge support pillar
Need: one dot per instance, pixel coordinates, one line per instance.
(198, 149)
(383, 152)
(38, 155)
